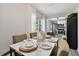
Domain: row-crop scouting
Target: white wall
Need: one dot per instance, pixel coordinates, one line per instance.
(14, 19)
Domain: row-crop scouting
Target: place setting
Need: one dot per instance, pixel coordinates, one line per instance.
(28, 46)
(45, 46)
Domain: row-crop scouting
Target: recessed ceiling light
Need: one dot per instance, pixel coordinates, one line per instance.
(62, 17)
(53, 19)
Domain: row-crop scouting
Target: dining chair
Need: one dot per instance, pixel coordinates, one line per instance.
(50, 33)
(18, 38)
(62, 49)
(54, 51)
(33, 34)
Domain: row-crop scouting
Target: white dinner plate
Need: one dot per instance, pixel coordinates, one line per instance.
(28, 43)
(45, 46)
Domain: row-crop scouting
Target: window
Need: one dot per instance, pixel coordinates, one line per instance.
(33, 24)
(38, 23)
(42, 27)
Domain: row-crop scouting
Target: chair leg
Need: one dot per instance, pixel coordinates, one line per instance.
(10, 52)
(15, 53)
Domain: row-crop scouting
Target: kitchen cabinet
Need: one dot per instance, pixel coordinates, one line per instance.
(72, 31)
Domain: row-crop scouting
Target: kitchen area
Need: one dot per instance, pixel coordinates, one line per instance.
(65, 26)
(58, 26)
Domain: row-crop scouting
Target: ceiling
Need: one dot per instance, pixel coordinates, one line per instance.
(55, 9)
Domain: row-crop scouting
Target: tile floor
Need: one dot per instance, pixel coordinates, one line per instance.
(73, 53)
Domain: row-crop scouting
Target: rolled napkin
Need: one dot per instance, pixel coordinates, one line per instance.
(39, 35)
(48, 36)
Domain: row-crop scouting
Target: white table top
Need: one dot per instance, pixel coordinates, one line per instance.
(38, 52)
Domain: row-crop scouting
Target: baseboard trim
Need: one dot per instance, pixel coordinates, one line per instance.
(6, 53)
